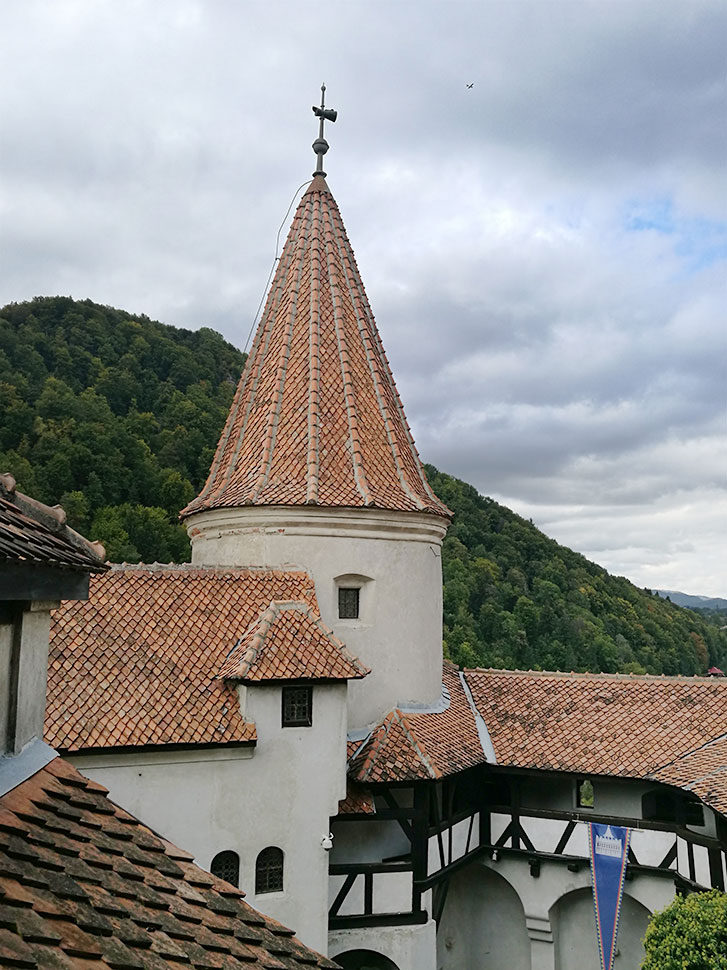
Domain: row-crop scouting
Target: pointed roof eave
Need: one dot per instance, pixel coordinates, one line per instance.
(393, 739)
(269, 651)
(316, 419)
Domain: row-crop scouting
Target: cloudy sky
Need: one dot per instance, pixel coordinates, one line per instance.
(544, 251)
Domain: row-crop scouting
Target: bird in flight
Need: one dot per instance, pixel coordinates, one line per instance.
(471, 85)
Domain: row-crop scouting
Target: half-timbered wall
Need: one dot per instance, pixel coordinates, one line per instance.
(492, 848)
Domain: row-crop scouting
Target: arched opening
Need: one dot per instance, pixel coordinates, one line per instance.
(364, 960)
(480, 902)
(226, 865)
(574, 932)
(269, 871)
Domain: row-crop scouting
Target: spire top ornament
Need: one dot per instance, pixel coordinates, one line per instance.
(320, 145)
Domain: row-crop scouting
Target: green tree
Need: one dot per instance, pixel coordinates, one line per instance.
(690, 934)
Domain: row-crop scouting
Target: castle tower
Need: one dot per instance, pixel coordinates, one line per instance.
(316, 467)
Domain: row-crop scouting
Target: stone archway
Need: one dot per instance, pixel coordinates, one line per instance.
(364, 960)
(480, 902)
(574, 932)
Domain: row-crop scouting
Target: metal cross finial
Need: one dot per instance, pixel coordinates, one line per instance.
(320, 145)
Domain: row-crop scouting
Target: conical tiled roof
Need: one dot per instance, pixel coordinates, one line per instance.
(316, 419)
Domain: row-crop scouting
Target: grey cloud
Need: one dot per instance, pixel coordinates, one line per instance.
(544, 352)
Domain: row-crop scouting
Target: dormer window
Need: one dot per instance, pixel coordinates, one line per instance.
(348, 602)
(297, 706)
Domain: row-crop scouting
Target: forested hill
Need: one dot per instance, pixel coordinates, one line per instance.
(515, 598)
(116, 417)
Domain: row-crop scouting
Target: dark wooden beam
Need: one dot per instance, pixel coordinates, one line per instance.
(631, 823)
(670, 857)
(40, 582)
(439, 899)
(420, 843)
(342, 893)
(395, 807)
(362, 868)
(436, 877)
(377, 919)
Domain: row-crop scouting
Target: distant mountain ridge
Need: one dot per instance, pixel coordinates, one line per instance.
(116, 417)
(693, 602)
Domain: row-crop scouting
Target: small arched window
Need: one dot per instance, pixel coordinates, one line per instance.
(269, 871)
(226, 865)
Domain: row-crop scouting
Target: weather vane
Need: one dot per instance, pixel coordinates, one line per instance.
(320, 145)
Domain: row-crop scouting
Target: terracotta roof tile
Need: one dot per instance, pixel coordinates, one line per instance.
(416, 745)
(609, 724)
(702, 771)
(136, 664)
(669, 729)
(359, 800)
(31, 532)
(316, 419)
(76, 899)
(289, 641)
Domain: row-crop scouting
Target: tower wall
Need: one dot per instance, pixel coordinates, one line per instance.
(394, 558)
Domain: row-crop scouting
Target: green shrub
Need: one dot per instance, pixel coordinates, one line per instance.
(690, 934)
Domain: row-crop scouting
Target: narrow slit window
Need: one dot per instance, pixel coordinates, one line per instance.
(297, 706)
(348, 602)
(226, 865)
(269, 871)
(584, 793)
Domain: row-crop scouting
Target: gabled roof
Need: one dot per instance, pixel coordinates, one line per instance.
(316, 419)
(289, 641)
(417, 745)
(85, 884)
(702, 771)
(663, 729)
(137, 663)
(33, 533)
(607, 724)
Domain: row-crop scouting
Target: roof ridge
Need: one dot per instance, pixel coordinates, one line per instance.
(41, 532)
(251, 646)
(190, 567)
(693, 751)
(598, 675)
(417, 744)
(368, 336)
(263, 334)
(381, 734)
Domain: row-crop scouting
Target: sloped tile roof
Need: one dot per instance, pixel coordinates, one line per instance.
(415, 745)
(359, 800)
(136, 664)
(702, 771)
(667, 729)
(608, 724)
(84, 884)
(289, 641)
(316, 419)
(31, 532)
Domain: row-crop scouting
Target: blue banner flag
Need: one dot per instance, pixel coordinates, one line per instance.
(609, 850)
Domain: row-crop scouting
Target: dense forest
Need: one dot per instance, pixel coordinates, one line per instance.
(116, 417)
(515, 598)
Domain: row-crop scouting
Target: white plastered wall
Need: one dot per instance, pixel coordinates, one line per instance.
(280, 793)
(409, 947)
(399, 630)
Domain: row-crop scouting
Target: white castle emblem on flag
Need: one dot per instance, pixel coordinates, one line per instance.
(608, 844)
